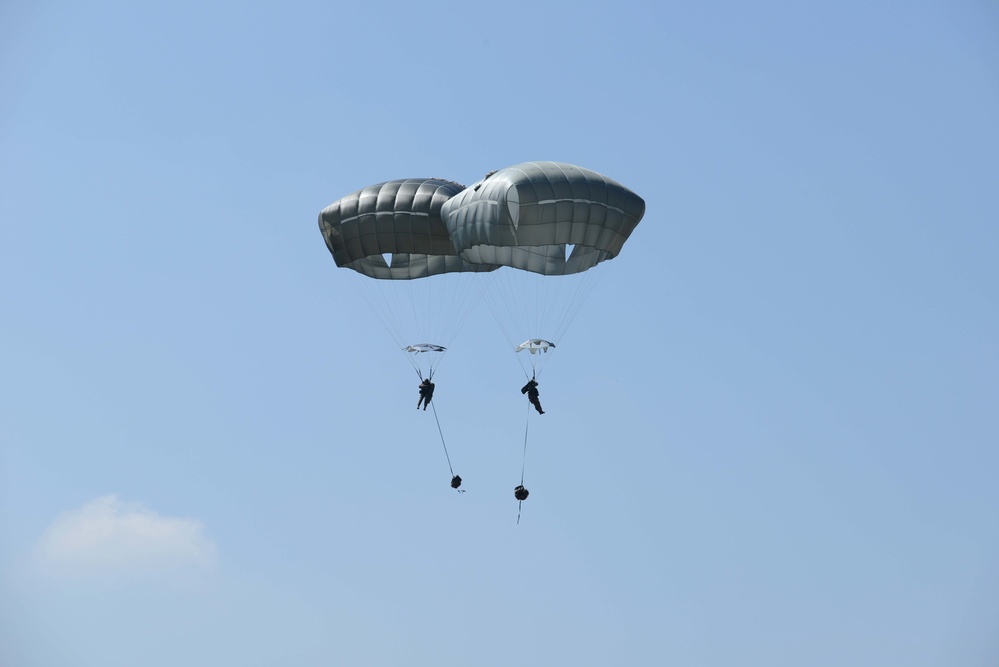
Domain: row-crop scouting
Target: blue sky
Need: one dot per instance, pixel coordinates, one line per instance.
(771, 432)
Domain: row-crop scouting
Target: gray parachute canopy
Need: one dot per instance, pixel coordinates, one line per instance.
(526, 215)
(401, 218)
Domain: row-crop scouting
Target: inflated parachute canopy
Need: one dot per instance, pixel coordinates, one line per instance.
(400, 219)
(525, 216)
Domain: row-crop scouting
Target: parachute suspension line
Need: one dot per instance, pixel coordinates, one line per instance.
(523, 367)
(444, 306)
(547, 295)
(527, 305)
(380, 303)
(561, 299)
(566, 301)
(446, 455)
(501, 296)
(487, 284)
(390, 301)
(464, 303)
(430, 310)
(578, 298)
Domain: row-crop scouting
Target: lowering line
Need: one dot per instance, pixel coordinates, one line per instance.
(523, 462)
(446, 455)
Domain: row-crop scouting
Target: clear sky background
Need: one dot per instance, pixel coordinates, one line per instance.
(771, 433)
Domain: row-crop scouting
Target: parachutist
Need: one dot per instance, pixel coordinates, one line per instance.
(455, 482)
(426, 393)
(520, 493)
(531, 389)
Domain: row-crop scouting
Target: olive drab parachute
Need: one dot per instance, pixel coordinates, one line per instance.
(400, 220)
(547, 224)
(393, 232)
(526, 216)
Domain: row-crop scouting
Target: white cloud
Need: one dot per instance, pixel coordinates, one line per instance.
(108, 535)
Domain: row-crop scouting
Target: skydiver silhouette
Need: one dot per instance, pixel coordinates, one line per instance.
(426, 393)
(531, 389)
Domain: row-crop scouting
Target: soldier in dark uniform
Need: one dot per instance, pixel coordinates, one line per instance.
(531, 389)
(426, 393)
